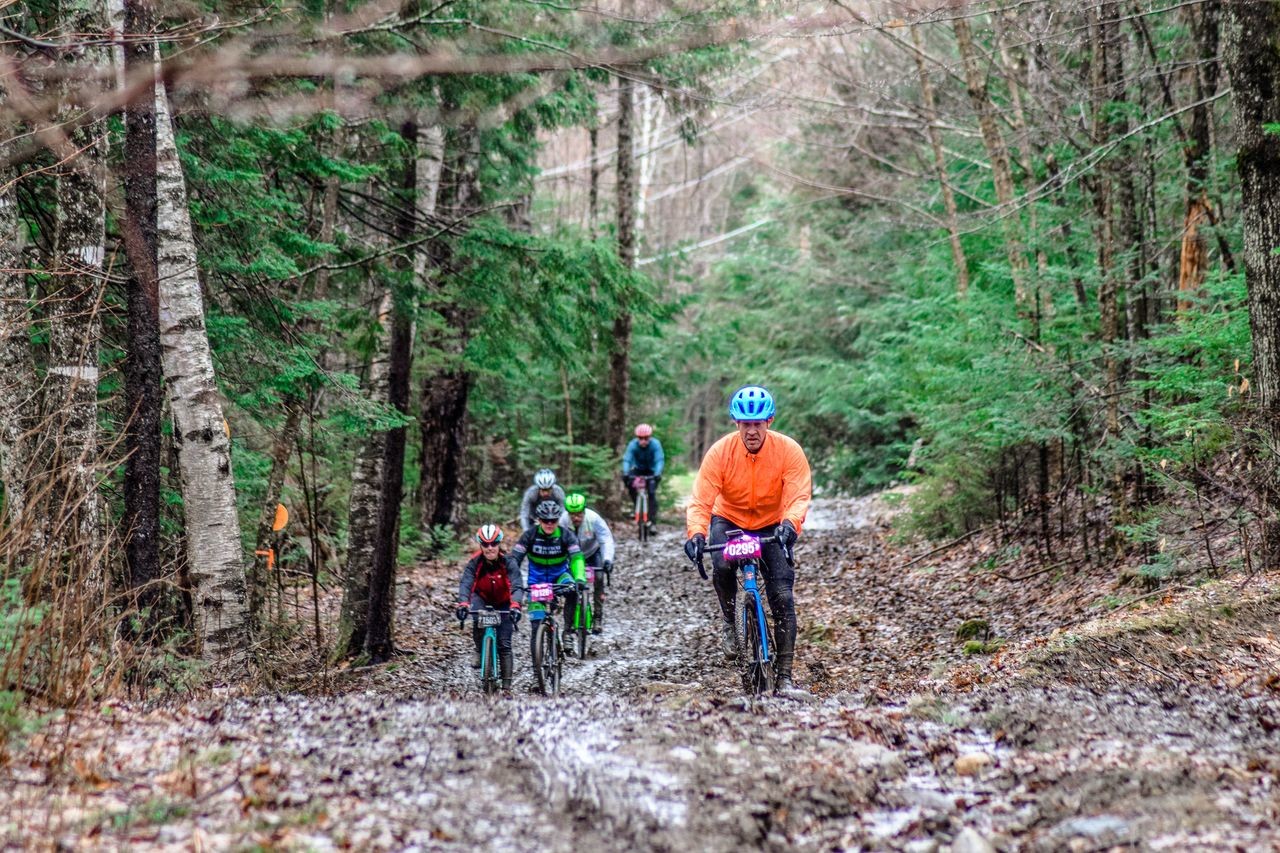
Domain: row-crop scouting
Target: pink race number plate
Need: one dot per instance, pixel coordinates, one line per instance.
(541, 592)
(742, 548)
(591, 574)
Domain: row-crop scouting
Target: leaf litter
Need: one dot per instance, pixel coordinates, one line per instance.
(1151, 726)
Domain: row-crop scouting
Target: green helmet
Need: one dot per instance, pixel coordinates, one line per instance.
(575, 503)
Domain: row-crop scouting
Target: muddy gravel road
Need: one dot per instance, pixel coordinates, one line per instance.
(652, 745)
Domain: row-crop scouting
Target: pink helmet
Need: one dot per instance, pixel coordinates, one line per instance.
(643, 431)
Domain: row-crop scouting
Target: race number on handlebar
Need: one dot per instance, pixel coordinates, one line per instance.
(741, 547)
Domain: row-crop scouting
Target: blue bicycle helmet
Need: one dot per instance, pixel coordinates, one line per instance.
(751, 403)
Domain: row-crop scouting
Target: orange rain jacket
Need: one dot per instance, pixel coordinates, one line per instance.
(753, 490)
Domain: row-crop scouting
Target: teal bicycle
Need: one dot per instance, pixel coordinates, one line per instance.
(489, 619)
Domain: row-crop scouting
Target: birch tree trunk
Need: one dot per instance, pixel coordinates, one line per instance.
(19, 388)
(71, 381)
(998, 153)
(199, 428)
(362, 511)
(443, 402)
(1253, 61)
(940, 166)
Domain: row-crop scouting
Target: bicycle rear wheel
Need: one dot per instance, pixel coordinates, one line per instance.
(489, 663)
(757, 671)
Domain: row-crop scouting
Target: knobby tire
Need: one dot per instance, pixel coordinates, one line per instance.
(489, 663)
(539, 652)
(581, 632)
(642, 516)
(757, 673)
(546, 663)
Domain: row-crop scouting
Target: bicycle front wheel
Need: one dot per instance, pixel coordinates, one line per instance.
(582, 630)
(489, 662)
(757, 670)
(541, 644)
(553, 660)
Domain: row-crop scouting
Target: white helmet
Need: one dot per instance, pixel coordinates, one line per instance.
(544, 479)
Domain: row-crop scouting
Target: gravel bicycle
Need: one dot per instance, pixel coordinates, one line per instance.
(489, 619)
(640, 484)
(743, 552)
(548, 647)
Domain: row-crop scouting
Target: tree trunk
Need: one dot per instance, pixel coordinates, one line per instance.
(141, 521)
(1042, 307)
(1253, 61)
(593, 189)
(379, 639)
(1104, 127)
(71, 382)
(19, 388)
(443, 403)
(620, 355)
(214, 552)
(940, 166)
(998, 153)
(362, 513)
(1197, 154)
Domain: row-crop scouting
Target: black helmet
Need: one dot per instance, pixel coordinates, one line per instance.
(547, 511)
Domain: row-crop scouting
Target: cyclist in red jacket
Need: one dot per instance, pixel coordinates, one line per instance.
(489, 578)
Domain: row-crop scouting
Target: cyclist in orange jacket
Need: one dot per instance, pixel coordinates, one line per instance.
(759, 482)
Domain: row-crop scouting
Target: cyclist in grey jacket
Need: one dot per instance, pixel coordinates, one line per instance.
(544, 488)
(596, 541)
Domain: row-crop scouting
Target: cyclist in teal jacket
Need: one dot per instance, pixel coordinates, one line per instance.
(644, 457)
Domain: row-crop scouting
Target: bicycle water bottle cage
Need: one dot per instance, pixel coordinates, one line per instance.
(744, 547)
(541, 593)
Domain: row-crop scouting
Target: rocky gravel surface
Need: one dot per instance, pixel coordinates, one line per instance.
(652, 745)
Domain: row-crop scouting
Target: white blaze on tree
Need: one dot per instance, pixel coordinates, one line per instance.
(200, 432)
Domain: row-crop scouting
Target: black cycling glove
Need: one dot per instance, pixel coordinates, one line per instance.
(608, 566)
(786, 534)
(693, 548)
